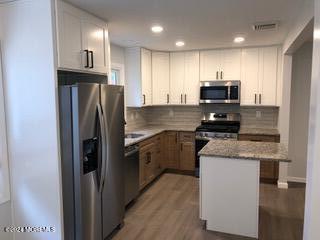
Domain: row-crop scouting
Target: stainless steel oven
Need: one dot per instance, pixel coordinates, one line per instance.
(220, 92)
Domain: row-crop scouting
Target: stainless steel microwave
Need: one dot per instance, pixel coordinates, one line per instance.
(220, 92)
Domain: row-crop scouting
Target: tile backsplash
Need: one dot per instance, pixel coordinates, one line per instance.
(253, 116)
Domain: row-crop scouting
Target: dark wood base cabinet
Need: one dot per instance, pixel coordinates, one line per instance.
(269, 171)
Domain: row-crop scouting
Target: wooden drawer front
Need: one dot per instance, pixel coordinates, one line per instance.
(154, 139)
(187, 136)
(259, 138)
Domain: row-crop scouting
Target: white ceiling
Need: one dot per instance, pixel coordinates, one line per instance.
(202, 24)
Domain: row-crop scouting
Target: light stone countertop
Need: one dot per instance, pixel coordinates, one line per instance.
(259, 131)
(150, 131)
(246, 150)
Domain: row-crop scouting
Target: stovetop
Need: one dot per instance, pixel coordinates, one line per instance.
(220, 122)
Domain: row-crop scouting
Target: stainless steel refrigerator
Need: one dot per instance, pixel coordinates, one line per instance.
(92, 151)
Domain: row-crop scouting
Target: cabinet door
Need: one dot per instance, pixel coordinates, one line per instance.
(191, 80)
(177, 76)
(269, 170)
(187, 151)
(230, 64)
(160, 78)
(250, 76)
(93, 39)
(146, 77)
(210, 65)
(268, 76)
(142, 169)
(172, 150)
(69, 37)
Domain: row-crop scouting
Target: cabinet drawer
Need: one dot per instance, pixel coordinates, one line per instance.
(259, 138)
(187, 137)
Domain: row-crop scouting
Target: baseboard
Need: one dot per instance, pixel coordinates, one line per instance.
(297, 179)
(283, 185)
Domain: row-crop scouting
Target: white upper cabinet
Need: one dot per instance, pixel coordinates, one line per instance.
(230, 64)
(268, 76)
(160, 78)
(146, 77)
(192, 81)
(210, 65)
(259, 76)
(220, 65)
(184, 78)
(177, 77)
(138, 77)
(83, 42)
(69, 33)
(250, 76)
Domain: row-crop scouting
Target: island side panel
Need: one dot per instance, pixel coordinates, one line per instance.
(229, 195)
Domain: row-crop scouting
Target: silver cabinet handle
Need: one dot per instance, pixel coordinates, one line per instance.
(217, 75)
(221, 75)
(181, 99)
(255, 98)
(259, 98)
(185, 98)
(167, 98)
(144, 99)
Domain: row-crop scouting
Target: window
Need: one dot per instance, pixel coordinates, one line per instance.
(115, 76)
(4, 169)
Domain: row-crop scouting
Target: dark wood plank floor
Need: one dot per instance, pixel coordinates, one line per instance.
(169, 209)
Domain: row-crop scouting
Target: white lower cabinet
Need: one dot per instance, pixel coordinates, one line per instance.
(160, 78)
(83, 42)
(259, 76)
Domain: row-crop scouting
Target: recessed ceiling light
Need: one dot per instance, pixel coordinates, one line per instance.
(157, 29)
(238, 39)
(180, 43)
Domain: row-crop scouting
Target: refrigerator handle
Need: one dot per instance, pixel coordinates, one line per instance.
(104, 145)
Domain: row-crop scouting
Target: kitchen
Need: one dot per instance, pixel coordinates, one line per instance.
(152, 126)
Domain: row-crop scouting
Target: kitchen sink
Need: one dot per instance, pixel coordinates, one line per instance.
(133, 135)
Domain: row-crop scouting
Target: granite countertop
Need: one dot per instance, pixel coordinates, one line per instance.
(259, 131)
(246, 150)
(152, 130)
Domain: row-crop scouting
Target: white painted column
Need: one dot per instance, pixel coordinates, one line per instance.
(284, 117)
(312, 207)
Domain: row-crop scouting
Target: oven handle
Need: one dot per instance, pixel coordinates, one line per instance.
(204, 138)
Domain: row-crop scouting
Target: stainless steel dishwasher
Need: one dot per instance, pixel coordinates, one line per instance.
(131, 174)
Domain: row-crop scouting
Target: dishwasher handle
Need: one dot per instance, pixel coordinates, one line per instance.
(132, 151)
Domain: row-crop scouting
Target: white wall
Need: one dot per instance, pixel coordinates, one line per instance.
(117, 54)
(312, 209)
(5, 220)
(305, 16)
(30, 89)
(299, 112)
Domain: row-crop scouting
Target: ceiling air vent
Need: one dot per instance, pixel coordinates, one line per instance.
(265, 26)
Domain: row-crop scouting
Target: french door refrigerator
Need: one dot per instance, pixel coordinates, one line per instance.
(92, 151)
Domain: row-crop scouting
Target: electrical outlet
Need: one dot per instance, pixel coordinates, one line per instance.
(258, 114)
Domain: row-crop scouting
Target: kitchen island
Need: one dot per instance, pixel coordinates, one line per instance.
(229, 184)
